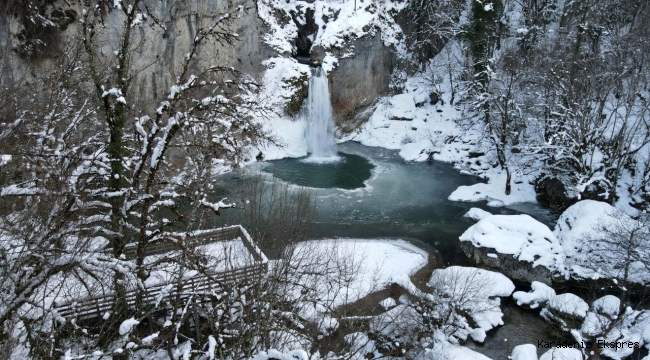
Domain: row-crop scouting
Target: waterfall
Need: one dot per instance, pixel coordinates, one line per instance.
(321, 124)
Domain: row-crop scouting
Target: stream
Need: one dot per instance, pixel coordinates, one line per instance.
(374, 193)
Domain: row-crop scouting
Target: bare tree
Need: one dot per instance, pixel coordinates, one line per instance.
(94, 168)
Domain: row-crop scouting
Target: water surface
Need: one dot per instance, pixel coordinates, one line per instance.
(374, 193)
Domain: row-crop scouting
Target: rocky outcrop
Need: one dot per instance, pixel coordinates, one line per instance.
(156, 55)
(507, 264)
(551, 191)
(360, 80)
(516, 245)
(306, 31)
(166, 52)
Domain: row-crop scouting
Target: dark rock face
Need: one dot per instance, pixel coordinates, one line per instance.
(309, 28)
(359, 80)
(551, 191)
(508, 265)
(246, 55)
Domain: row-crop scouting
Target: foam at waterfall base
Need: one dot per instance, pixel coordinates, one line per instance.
(322, 159)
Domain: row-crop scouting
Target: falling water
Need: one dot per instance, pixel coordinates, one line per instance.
(321, 126)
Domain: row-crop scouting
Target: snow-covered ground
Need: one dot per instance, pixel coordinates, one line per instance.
(598, 239)
(342, 271)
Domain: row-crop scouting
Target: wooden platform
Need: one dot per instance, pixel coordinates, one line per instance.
(253, 266)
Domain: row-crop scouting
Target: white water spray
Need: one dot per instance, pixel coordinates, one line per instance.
(321, 125)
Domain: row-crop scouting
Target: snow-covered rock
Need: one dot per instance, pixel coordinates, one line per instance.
(594, 235)
(494, 191)
(607, 305)
(526, 249)
(388, 303)
(538, 296)
(633, 327)
(402, 107)
(476, 214)
(566, 311)
(524, 352)
(569, 304)
(127, 325)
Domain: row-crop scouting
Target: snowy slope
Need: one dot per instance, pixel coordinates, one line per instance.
(595, 235)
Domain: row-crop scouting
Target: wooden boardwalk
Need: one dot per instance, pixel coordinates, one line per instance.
(207, 283)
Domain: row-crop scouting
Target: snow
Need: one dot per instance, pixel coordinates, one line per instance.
(524, 352)
(365, 265)
(276, 355)
(212, 344)
(434, 123)
(540, 294)
(344, 22)
(216, 206)
(399, 321)
(280, 82)
(148, 340)
(360, 345)
(127, 325)
(492, 283)
(455, 352)
(477, 292)
(568, 304)
(562, 353)
(402, 107)
(327, 325)
(494, 192)
(476, 214)
(217, 257)
(607, 305)
(519, 235)
(631, 327)
(388, 303)
(594, 324)
(586, 230)
(5, 159)
(14, 190)
(442, 349)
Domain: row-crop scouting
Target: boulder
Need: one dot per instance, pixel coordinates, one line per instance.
(551, 191)
(517, 245)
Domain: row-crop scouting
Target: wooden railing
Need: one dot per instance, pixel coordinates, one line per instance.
(159, 294)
